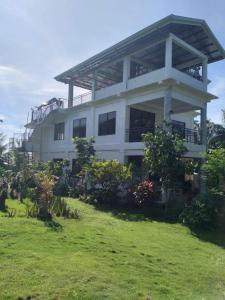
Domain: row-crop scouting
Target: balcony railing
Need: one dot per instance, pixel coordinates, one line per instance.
(40, 113)
(189, 135)
(83, 98)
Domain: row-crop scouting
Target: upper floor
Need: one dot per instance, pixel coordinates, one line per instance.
(174, 48)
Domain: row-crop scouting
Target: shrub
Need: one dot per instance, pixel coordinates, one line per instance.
(3, 193)
(61, 209)
(106, 179)
(61, 188)
(144, 192)
(214, 169)
(199, 213)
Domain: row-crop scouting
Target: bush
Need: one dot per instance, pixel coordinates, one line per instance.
(199, 213)
(61, 189)
(144, 192)
(106, 179)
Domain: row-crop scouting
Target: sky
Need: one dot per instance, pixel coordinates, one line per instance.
(39, 39)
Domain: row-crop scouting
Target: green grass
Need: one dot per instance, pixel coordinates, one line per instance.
(102, 256)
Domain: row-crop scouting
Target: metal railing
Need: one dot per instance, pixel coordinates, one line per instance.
(83, 98)
(189, 135)
(41, 112)
(135, 134)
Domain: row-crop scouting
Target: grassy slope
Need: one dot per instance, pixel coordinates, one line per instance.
(103, 257)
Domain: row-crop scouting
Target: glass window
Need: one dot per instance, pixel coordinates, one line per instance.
(79, 127)
(178, 128)
(59, 131)
(107, 123)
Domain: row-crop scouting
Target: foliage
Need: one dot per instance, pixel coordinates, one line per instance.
(45, 184)
(61, 188)
(61, 208)
(144, 193)
(214, 169)
(108, 178)
(163, 157)
(85, 152)
(2, 144)
(215, 135)
(199, 213)
(56, 168)
(3, 193)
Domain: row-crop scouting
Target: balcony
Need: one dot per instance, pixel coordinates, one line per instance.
(190, 136)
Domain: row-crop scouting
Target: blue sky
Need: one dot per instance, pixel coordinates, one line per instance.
(41, 38)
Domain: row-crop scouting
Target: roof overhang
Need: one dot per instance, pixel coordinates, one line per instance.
(195, 32)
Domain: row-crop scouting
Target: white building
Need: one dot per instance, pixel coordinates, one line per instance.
(156, 74)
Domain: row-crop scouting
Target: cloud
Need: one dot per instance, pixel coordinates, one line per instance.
(218, 87)
(11, 76)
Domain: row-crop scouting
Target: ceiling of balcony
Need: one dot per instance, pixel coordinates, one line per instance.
(195, 32)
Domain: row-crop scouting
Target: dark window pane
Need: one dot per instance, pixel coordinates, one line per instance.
(59, 130)
(178, 128)
(79, 127)
(107, 123)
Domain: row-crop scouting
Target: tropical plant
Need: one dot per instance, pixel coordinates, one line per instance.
(144, 192)
(108, 178)
(214, 169)
(163, 158)
(199, 213)
(3, 193)
(2, 144)
(45, 184)
(85, 152)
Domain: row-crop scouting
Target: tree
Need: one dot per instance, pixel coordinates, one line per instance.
(163, 158)
(3, 193)
(2, 145)
(214, 168)
(85, 151)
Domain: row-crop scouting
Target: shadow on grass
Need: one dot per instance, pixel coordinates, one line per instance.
(136, 214)
(210, 236)
(53, 225)
(156, 213)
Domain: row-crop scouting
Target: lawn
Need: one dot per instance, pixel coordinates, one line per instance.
(106, 256)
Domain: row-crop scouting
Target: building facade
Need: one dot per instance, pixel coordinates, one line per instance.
(158, 74)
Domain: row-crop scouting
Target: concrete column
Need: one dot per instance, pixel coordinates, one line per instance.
(121, 120)
(167, 106)
(168, 55)
(205, 73)
(203, 125)
(126, 69)
(93, 86)
(70, 95)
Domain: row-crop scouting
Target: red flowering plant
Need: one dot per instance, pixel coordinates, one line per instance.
(144, 192)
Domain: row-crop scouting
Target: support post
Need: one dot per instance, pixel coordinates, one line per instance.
(204, 73)
(126, 69)
(168, 55)
(70, 95)
(93, 87)
(167, 108)
(203, 125)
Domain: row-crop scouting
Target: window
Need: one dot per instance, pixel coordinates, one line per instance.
(107, 123)
(178, 128)
(59, 131)
(79, 127)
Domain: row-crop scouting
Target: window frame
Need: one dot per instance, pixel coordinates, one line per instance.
(107, 126)
(59, 136)
(80, 135)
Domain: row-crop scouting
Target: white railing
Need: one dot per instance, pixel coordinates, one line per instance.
(83, 98)
(40, 113)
